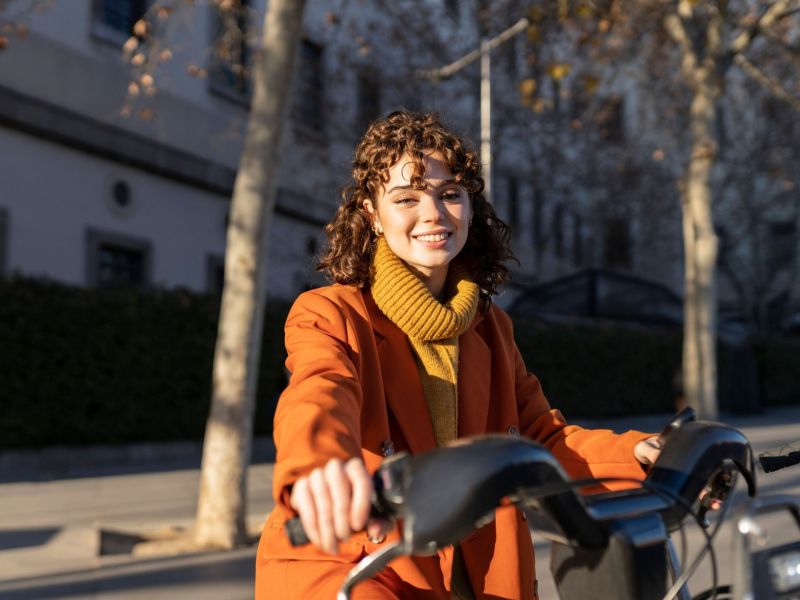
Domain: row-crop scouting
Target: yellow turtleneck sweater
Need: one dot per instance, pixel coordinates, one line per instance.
(432, 328)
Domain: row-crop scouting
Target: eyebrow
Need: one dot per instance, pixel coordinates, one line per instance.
(442, 183)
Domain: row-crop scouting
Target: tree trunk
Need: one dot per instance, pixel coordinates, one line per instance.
(228, 440)
(700, 247)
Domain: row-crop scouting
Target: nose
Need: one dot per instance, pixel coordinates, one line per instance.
(430, 209)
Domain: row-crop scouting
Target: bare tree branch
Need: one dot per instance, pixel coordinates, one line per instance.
(676, 28)
(792, 51)
(773, 14)
(772, 85)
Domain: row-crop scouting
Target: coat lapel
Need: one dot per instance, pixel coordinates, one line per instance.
(474, 376)
(401, 383)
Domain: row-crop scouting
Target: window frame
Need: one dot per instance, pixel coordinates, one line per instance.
(219, 70)
(367, 79)
(215, 268)
(313, 122)
(3, 240)
(96, 238)
(104, 32)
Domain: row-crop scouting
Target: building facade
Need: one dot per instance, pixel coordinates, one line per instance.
(121, 124)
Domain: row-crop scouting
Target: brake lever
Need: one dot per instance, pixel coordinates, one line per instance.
(683, 417)
(719, 489)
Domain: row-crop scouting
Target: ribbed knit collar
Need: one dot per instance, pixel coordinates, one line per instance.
(409, 304)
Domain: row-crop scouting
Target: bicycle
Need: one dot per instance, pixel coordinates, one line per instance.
(616, 541)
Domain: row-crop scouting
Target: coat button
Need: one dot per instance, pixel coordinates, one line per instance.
(376, 539)
(513, 431)
(387, 448)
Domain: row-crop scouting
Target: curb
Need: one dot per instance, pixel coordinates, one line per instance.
(66, 462)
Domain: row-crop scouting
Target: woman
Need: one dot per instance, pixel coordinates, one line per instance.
(406, 352)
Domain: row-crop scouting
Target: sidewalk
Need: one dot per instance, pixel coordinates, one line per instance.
(49, 529)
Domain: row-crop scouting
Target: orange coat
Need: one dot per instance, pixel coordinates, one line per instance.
(355, 391)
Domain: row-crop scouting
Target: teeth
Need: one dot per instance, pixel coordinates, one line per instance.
(434, 237)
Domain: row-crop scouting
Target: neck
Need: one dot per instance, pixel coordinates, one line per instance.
(434, 279)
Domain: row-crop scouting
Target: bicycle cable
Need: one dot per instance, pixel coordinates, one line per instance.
(708, 547)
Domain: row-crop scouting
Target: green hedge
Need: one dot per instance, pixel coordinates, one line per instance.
(595, 370)
(84, 366)
(779, 371)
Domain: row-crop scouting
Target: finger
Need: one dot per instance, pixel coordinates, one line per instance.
(324, 506)
(650, 449)
(303, 503)
(339, 487)
(361, 485)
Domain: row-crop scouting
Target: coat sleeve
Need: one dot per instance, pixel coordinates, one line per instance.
(583, 453)
(318, 414)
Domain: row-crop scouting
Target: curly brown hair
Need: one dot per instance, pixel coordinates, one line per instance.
(351, 240)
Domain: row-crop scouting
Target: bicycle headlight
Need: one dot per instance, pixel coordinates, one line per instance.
(784, 569)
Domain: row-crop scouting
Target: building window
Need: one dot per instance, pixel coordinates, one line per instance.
(781, 119)
(577, 240)
(229, 73)
(114, 260)
(215, 274)
(783, 245)
(369, 100)
(538, 215)
(609, 120)
(3, 239)
(617, 244)
(113, 20)
(512, 190)
(451, 6)
(558, 230)
(510, 52)
(308, 91)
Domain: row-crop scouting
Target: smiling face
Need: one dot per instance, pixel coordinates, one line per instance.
(425, 228)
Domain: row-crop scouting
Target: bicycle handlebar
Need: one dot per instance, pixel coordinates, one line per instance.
(444, 494)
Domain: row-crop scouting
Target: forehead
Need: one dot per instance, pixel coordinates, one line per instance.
(436, 169)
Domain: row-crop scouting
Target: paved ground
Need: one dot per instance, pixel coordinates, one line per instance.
(50, 521)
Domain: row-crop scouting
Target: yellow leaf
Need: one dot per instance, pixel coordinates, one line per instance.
(590, 83)
(146, 80)
(535, 14)
(527, 87)
(559, 71)
(133, 88)
(534, 34)
(141, 27)
(3, 42)
(138, 59)
(130, 44)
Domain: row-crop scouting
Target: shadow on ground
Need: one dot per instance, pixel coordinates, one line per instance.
(163, 574)
(13, 539)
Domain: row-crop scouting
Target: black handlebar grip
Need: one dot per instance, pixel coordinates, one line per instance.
(295, 532)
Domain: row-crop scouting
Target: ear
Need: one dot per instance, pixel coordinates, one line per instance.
(370, 208)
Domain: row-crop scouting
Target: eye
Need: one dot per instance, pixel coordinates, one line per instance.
(451, 196)
(405, 200)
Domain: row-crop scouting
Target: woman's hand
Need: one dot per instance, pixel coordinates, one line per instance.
(333, 501)
(647, 451)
